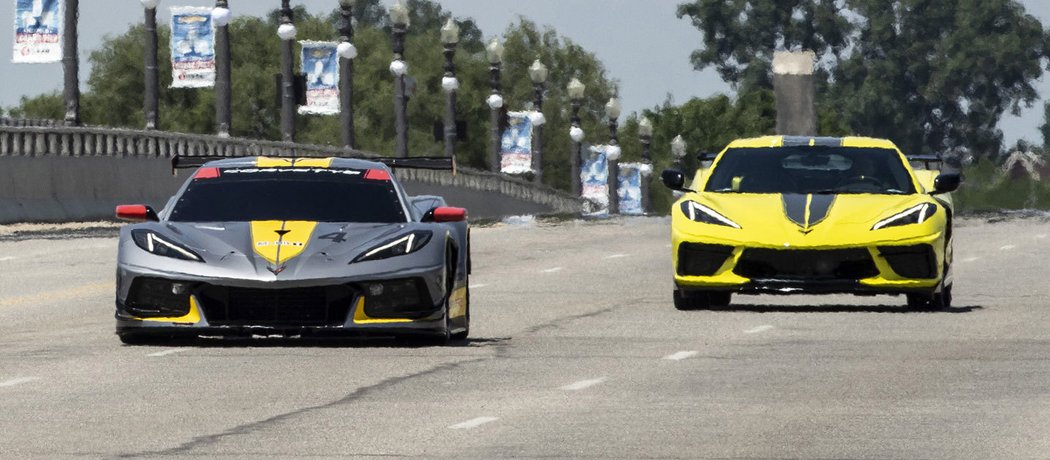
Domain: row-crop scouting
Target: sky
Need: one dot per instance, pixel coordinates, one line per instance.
(643, 44)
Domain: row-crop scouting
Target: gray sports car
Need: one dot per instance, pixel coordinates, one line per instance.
(294, 247)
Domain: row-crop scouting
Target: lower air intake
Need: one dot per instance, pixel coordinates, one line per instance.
(312, 306)
(804, 264)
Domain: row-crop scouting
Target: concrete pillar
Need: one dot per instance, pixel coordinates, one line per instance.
(793, 84)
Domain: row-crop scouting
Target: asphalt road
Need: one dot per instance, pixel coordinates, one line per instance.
(576, 352)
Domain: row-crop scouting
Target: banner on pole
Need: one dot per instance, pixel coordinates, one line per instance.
(629, 188)
(594, 178)
(38, 31)
(516, 144)
(192, 48)
(320, 64)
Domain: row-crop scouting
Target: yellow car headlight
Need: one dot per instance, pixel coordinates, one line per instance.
(697, 212)
(914, 215)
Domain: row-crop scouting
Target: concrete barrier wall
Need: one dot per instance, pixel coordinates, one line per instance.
(50, 174)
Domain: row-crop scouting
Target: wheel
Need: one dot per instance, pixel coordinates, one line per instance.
(720, 298)
(937, 301)
(691, 300)
(918, 301)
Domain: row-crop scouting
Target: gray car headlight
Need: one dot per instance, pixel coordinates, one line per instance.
(697, 212)
(404, 244)
(155, 244)
(914, 215)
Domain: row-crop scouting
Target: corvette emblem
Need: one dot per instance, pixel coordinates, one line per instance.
(276, 270)
(281, 233)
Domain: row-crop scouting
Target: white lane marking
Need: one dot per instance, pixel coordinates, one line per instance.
(582, 384)
(555, 269)
(681, 355)
(167, 352)
(479, 285)
(667, 245)
(1007, 247)
(5, 259)
(472, 423)
(617, 256)
(1041, 235)
(758, 329)
(18, 381)
(970, 259)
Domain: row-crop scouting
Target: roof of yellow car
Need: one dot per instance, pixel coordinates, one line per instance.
(780, 141)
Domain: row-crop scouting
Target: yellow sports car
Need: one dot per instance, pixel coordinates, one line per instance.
(805, 215)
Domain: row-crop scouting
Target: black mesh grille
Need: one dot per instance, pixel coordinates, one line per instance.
(696, 259)
(917, 261)
(790, 264)
(158, 298)
(312, 306)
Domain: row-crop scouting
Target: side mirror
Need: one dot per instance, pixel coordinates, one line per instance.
(947, 182)
(136, 213)
(674, 179)
(445, 214)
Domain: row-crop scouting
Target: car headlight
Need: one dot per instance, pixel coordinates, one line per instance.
(914, 215)
(155, 244)
(697, 212)
(404, 244)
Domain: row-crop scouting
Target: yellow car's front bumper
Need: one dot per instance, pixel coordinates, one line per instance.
(898, 264)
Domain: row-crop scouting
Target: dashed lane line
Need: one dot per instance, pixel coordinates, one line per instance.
(758, 329)
(59, 295)
(554, 270)
(617, 256)
(479, 285)
(18, 381)
(1007, 247)
(167, 352)
(582, 384)
(473, 423)
(5, 259)
(971, 259)
(681, 355)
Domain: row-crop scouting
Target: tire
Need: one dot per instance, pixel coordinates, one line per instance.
(930, 302)
(461, 336)
(720, 298)
(691, 301)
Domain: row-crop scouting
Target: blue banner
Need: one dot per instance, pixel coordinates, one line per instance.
(594, 178)
(38, 31)
(320, 64)
(516, 145)
(192, 48)
(629, 189)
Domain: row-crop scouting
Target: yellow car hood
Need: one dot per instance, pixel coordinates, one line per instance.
(814, 220)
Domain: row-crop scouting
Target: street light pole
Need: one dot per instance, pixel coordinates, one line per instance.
(71, 63)
(495, 101)
(645, 134)
(399, 19)
(347, 53)
(220, 17)
(538, 75)
(286, 31)
(449, 40)
(612, 110)
(678, 148)
(576, 91)
(152, 78)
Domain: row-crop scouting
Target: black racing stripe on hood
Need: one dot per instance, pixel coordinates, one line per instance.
(795, 207)
(819, 207)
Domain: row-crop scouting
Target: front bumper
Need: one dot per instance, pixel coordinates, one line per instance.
(328, 307)
(899, 266)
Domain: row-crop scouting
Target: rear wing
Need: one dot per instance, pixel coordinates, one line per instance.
(433, 163)
(929, 162)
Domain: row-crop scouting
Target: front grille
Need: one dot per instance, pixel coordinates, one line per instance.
(696, 259)
(798, 264)
(917, 261)
(311, 306)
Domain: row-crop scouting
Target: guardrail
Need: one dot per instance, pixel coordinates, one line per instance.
(66, 141)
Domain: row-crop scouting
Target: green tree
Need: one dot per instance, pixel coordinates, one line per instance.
(932, 75)
(115, 86)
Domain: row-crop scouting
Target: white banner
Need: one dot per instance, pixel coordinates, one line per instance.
(594, 176)
(38, 31)
(629, 188)
(516, 145)
(320, 63)
(192, 48)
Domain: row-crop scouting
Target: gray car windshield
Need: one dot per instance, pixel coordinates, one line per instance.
(810, 169)
(319, 195)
